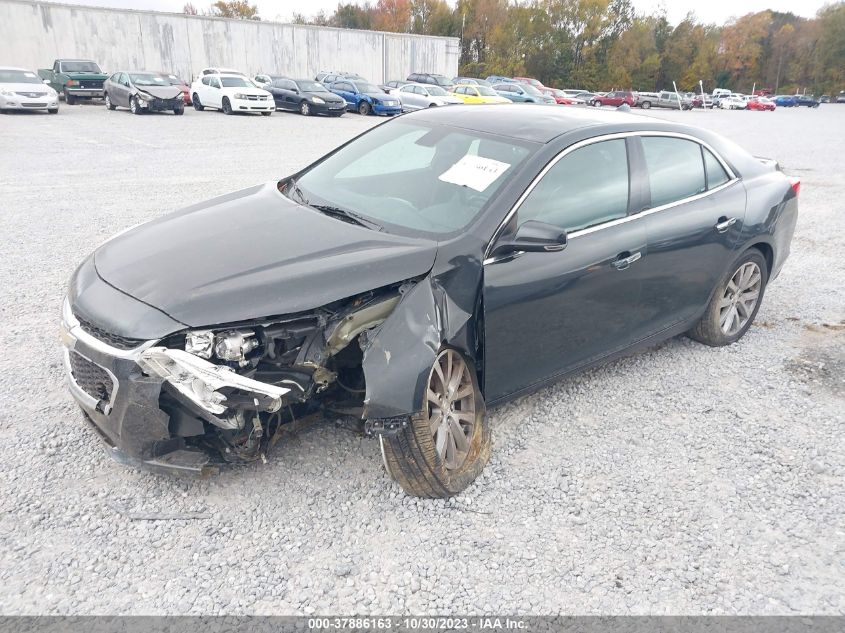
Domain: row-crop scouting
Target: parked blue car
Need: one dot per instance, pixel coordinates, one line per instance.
(363, 97)
(806, 100)
(785, 101)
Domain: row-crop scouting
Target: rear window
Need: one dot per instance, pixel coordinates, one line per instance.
(675, 169)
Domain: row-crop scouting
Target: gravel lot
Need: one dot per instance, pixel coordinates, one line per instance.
(682, 480)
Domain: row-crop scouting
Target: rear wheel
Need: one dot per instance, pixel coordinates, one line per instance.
(363, 108)
(445, 448)
(179, 111)
(196, 101)
(227, 106)
(735, 302)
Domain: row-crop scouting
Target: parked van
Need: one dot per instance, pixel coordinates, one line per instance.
(721, 92)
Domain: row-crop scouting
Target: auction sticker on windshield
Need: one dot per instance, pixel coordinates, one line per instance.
(476, 172)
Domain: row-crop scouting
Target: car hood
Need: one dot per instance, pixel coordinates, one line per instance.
(251, 254)
(162, 92)
(379, 95)
(24, 87)
(326, 96)
(86, 75)
(258, 92)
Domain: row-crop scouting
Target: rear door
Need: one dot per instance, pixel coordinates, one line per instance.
(551, 312)
(694, 216)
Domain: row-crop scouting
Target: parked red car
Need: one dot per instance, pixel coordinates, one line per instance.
(530, 81)
(183, 85)
(760, 103)
(615, 98)
(560, 97)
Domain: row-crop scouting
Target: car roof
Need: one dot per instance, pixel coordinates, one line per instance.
(539, 123)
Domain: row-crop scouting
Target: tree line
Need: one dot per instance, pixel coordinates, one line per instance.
(606, 44)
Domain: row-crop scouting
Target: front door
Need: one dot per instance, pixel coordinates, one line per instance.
(547, 313)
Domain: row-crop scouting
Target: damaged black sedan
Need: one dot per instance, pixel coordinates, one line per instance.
(436, 265)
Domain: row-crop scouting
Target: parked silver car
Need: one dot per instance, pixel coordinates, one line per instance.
(419, 96)
(22, 89)
(143, 91)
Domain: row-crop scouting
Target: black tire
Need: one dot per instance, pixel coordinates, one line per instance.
(69, 98)
(266, 113)
(432, 105)
(108, 102)
(304, 108)
(227, 106)
(52, 111)
(597, 103)
(134, 106)
(412, 459)
(179, 111)
(646, 105)
(709, 330)
(364, 108)
(195, 99)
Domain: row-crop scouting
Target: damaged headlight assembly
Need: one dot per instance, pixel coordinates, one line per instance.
(232, 345)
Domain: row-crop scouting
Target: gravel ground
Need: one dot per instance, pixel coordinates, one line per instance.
(682, 480)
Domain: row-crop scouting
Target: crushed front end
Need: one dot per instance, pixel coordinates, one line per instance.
(194, 399)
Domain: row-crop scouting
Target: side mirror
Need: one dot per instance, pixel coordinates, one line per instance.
(533, 236)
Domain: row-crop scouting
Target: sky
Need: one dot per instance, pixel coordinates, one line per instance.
(711, 11)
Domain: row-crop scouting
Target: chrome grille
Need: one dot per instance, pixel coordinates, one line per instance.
(115, 340)
(32, 95)
(91, 378)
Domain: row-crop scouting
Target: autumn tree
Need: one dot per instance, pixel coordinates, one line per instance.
(240, 9)
(393, 15)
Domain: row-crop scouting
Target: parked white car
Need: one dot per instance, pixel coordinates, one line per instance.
(231, 93)
(419, 96)
(22, 89)
(220, 71)
(733, 102)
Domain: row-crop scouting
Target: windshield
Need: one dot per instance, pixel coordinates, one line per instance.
(80, 67)
(412, 177)
(148, 79)
(531, 90)
(484, 91)
(175, 81)
(311, 86)
(436, 91)
(441, 80)
(18, 77)
(236, 82)
(363, 86)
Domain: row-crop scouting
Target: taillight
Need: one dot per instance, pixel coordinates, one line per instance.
(796, 185)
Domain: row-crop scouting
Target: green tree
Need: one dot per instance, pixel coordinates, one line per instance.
(240, 9)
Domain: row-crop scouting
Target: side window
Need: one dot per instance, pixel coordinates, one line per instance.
(583, 189)
(124, 79)
(716, 174)
(289, 85)
(675, 168)
(215, 82)
(206, 80)
(420, 90)
(115, 78)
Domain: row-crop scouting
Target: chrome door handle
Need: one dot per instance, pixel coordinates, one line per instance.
(624, 262)
(725, 224)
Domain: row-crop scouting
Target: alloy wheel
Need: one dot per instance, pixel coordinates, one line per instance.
(133, 105)
(304, 108)
(740, 298)
(451, 408)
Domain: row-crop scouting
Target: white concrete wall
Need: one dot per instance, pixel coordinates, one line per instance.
(33, 34)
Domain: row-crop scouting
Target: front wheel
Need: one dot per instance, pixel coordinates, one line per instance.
(134, 106)
(363, 108)
(446, 447)
(266, 113)
(227, 106)
(304, 108)
(735, 302)
(597, 104)
(69, 99)
(179, 111)
(53, 111)
(109, 104)
(646, 105)
(196, 101)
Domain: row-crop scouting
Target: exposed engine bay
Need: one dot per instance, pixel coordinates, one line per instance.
(234, 389)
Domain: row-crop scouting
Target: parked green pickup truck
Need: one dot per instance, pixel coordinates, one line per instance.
(75, 79)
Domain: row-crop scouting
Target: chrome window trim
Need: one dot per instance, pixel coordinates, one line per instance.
(732, 178)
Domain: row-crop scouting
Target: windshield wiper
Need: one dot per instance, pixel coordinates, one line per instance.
(347, 216)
